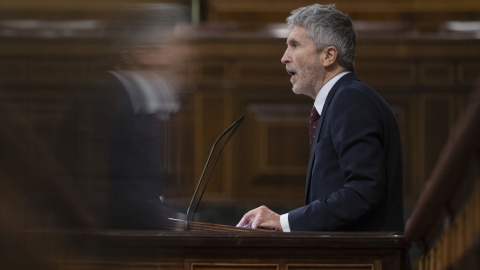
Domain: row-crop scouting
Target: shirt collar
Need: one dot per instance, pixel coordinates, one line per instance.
(323, 93)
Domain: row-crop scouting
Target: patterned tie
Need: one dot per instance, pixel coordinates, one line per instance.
(314, 116)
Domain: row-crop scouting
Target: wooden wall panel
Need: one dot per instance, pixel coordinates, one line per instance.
(426, 79)
(436, 117)
(439, 73)
(275, 150)
(329, 266)
(468, 72)
(226, 266)
(212, 117)
(423, 15)
(386, 72)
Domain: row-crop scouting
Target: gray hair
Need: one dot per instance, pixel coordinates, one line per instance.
(326, 26)
(147, 24)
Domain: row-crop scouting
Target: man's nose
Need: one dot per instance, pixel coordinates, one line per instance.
(285, 58)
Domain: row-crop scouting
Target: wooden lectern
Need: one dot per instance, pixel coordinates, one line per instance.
(211, 246)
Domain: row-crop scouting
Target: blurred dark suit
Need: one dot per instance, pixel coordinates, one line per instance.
(113, 148)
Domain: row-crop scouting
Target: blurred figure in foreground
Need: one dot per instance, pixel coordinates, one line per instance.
(110, 138)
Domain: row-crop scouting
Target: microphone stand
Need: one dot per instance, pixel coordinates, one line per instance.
(233, 127)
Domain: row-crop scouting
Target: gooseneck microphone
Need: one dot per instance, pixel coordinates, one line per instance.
(231, 128)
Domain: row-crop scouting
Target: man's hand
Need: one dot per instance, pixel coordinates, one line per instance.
(261, 217)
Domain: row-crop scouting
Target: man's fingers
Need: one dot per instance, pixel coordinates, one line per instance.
(242, 222)
(246, 219)
(259, 217)
(256, 221)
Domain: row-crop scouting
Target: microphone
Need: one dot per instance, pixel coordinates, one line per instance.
(233, 128)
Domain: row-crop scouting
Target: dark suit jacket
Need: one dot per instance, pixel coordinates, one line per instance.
(354, 178)
(114, 156)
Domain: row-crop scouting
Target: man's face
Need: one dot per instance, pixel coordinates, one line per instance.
(303, 63)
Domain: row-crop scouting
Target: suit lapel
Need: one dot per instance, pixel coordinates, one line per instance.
(331, 94)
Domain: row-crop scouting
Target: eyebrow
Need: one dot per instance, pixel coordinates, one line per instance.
(293, 40)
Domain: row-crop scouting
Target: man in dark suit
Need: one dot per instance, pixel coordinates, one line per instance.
(111, 138)
(354, 178)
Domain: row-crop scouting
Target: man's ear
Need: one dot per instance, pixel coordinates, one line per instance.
(329, 56)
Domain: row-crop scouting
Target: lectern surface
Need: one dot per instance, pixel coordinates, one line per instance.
(213, 246)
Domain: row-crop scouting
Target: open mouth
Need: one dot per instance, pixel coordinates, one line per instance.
(291, 72)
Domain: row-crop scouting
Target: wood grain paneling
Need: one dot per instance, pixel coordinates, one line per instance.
(426, 80)
(225, 266)
(441, 73)
(468, 72)
(384, 72)
(424, 15)
(437, 114)
(331, 267)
